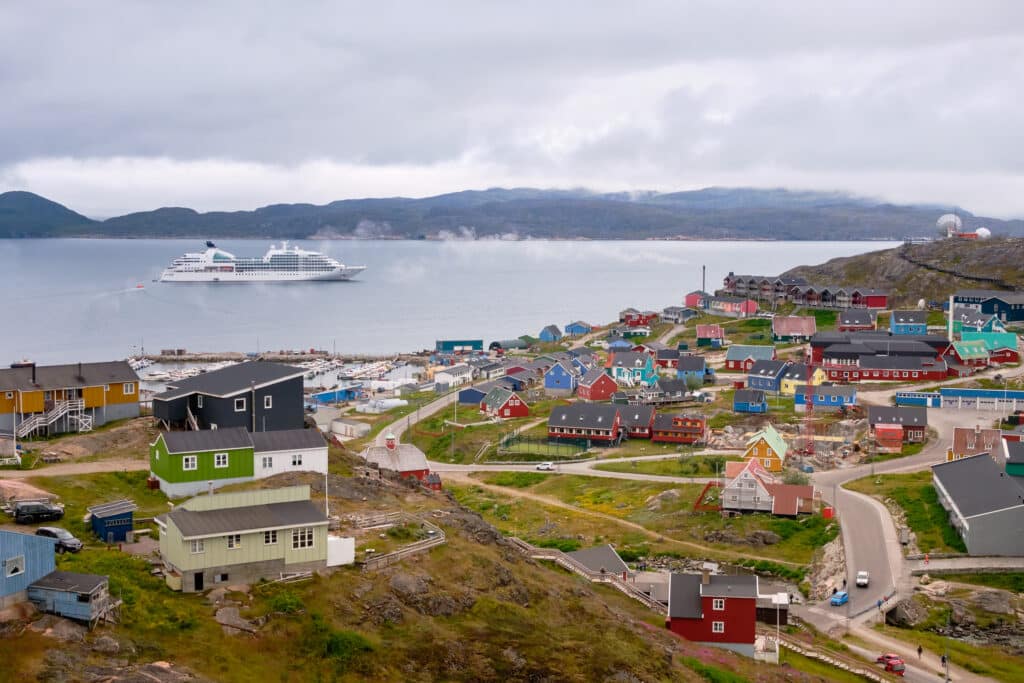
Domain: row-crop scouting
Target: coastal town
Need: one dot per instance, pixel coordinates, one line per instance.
(774, 454)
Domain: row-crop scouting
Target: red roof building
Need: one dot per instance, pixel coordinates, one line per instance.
(677, 429)
(596, 385)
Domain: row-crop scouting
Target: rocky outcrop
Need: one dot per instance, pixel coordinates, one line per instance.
(907, 614)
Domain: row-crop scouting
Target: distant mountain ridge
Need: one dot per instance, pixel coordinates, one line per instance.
(710, 213)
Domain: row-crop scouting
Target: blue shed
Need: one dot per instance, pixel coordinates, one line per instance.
(561, 377)
(458, 345)
(349, 392)
(111, 522)
(471, 396)
(578, 328)
(551, 333)
(23, 559)
(616, 343)
(750, 401)
(85, 597)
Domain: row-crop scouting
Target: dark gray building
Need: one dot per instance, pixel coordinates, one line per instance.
(985, 503)
(258, 396)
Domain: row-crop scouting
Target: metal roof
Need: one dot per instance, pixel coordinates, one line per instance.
(794, 326)
(749, 396)
(203, 523)
(684, 596)
(636, 416)
(70, 582)
(691, 363)
(231, 380)
(600, 557)
(768, 368)
(908, 318)
(743, 352)
(583, 415)
(72, 375)
(117, 507)
(902, 415)
(404, 458)
(857, 316)
(207, 440)
(287, 439)
(978, 484)
(730, 586)
(1014, 452)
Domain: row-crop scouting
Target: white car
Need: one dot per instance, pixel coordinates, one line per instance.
(862, 579)
(546, 466)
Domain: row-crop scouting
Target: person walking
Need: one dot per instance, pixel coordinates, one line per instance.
(920, 650)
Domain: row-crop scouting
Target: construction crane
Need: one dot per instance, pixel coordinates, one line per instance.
(808, 426)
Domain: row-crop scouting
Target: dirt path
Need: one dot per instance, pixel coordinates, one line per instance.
(119, 465)
(554, 502)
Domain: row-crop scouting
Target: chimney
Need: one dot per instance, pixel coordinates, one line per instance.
(33, 374)
(390, 442)
(706, 570)
(80, 377)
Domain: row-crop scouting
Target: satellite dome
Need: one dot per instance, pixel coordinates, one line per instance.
(948, 221)
(983, 233)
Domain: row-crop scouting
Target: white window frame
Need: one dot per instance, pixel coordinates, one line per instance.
(296, 459)
(217, 460)
(242, 409)
(302, 538)
(268, 402)
(199, 401)
(267, 462)
(197, 546)
(128, 388)
(270, 537)
(234, 541)
(188, 460)
(718, 604)
(718, 627)
(14, 566)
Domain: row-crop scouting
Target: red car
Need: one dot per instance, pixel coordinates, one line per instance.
(889, 657)
(895, 666)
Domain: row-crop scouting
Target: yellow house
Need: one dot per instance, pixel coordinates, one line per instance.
(796, 375)
(51, 399)
(767, 447)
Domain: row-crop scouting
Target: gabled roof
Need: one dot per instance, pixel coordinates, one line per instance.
(909, 363)
(974, 440)
(1008, 297)
(1013, 451)
(857, 316)
(579, 323)
(667, 354)
(497, 397)
(287, 439)
(666, 422)
(908, 318)
(117, 507)
(552, 330)
(583, 416)
(207, 440)
(70, 582)
(740, 352)
(970, 350)
(845, 391)
(993, 340)
(979, 485)
(219, 522)
(908, 416)
(713, 331)
(794, 326)
(791, 499)
(231, 380)
(72, 375)
(404, 458)
(684, 596)
(592, 376)
(691, 363)
(749, 396)
(672, 385)
(971, 316)
(730, 586)
(636, 416)
(774, 439)
(598, 558)
(767, 368)
(628, 359)
(456, 370)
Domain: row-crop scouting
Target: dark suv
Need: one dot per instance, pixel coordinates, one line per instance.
(30, 513)
(66, 542)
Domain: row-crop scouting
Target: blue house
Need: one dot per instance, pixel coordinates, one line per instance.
(632, 368)
(619, 343)
(1006, 306)
(24, 558)
(551, 333)
(515, 382)
(693, 366)
(909, 322)
(749, 401)
(766, 375)
(561, 377)
(825, 397)
(85, 597)
(471, 396)
(578, 328)
(111, 522)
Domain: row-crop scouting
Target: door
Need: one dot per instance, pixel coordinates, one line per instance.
(198, 581)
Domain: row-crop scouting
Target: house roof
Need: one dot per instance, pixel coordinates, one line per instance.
(730, 586)
(794, 326)
(713, 331)
(791, 499)
(207, 440)
(755, 396)
(671, 385)
(908, 318)
(902, 415)
(72, 375)
(636, 416)
(739, 352)
(203, 523)
(404, 458)
(583, 415)
(117, 507)
(552, 330)
(684, 596)
(578, 323)
(1014, 452)
(497, 397)
(667, 354)
(70, 582)
(974, 440)
(456, 370)
(567, 367)
(774, 439)
(628, 359)
(909, 363)
(691, 363)
(857, 316)
(287, 439)
(978, 485)
(592, 376)
(992, 340)
(796, 372)
(1008, 297)
(767, 368)
(846, 391)
(665, 422)
(970, 350)
(971, 316)
(600, 557)
(231, 380)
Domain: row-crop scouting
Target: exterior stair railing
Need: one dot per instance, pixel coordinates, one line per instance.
(73, 408)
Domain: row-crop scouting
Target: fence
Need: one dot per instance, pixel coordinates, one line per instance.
(380, 561)
(839, 661)
(529, 445)
(370, 520)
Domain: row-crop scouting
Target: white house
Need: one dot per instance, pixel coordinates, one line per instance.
(292, 450)
(454, 375)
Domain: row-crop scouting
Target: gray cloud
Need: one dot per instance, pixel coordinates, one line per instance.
(112, 107)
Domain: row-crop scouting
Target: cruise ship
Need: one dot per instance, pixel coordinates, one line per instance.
(279, 264)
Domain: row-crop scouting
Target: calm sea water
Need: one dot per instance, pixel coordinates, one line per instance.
(71, 300)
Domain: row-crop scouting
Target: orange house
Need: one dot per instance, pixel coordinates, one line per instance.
(53, 399)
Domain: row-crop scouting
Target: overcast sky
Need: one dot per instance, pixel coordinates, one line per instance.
(117, 107)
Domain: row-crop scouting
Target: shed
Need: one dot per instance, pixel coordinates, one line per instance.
(84, 597)
(112, 522)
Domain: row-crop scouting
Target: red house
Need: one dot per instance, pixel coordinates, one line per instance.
(592, 422)
(714, 609)
(406, 459)
(887, 369)
(596, 385)
(637, 421)
(862, 297)
(695, 299)
(635, 318)
(504, 403)
(856, 320)
(677, 428)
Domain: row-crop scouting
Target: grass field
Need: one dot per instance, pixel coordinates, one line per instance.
(1011, 582)
(686, 466)
(915, 494)
(982, 660)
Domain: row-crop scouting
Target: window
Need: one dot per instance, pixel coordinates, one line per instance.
(718, 627)
(129, 388)
(297, 460)
(9, 394)
(189, 462)
(220, 578)
(268, 402)
(270, 537)
(234, 541)
(13, 566)
(197, 547)
(718, 604)
(268, 462)
(199, 401)
(240, 405)
(47, 396)
(302, 538)
(220, 460)
(767, 462)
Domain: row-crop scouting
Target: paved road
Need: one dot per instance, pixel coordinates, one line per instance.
(966, 564)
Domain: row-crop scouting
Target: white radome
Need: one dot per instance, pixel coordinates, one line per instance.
(983, 233)
(949, 220)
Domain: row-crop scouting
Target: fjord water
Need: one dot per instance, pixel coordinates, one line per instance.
(69, 300)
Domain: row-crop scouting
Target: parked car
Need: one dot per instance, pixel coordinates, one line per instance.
(896, 666)
(32, 512)
(862, 580)
(66, 542)
(887, 657)
(840, 598)
(546, 466)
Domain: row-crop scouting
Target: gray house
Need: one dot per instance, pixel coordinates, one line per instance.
(261, 397)
(985, 503)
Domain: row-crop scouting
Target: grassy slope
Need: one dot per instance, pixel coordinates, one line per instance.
(982, 660)
(1011, 581)
(694, 466)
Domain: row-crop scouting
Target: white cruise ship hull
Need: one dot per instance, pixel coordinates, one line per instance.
(231, 276)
